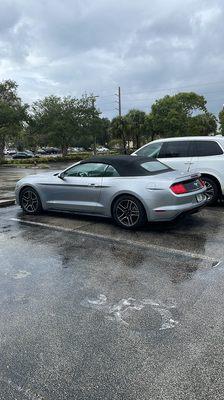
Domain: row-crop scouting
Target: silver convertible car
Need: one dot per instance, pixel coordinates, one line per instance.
(131, 190)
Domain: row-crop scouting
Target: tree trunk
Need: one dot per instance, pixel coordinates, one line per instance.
(124, 145)
(2, 148)
(137, 141)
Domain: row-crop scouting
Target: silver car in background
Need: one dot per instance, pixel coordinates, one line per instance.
(131, 190)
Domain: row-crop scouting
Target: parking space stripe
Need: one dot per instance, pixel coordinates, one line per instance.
(119, 240)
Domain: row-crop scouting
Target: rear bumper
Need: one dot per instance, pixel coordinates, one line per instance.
(170, 213)
(193, 211)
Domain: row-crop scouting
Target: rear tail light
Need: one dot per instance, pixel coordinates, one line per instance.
(187, 186)
(178, 188)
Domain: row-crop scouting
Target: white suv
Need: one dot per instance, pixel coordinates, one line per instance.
(204, 154)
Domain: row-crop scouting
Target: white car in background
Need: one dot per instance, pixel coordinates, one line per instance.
(10, 152)
(204, 154)
(102, 149)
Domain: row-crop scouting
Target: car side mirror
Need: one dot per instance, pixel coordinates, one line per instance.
(61, 175)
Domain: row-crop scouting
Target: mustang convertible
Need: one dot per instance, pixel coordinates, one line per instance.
(131, 190)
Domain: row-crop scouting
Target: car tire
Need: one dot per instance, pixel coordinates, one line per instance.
(212, 191)
(30, 201)
(128, 212)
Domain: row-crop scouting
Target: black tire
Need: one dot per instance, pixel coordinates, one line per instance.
(212, 192)
(128, 212)
(30, 201)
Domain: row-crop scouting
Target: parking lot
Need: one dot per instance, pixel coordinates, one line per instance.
(90, 311)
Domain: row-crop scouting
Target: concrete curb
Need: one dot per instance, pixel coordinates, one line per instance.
(7, 202)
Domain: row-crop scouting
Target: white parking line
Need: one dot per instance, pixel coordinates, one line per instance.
(120, 241)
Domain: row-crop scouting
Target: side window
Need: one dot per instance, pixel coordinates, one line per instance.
(87, 170)
(155, 166)
(203, 148)
(174, 149)
(111, 171)
(152, 150)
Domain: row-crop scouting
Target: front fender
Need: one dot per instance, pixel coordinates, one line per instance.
(20, 187)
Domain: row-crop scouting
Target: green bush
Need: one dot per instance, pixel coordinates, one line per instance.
(45, 160)
(41, 160)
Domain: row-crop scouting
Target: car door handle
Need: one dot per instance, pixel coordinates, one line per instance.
(94, 185)
(188, 163)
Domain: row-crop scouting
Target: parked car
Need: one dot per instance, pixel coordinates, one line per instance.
(131, 190)
(21, 155)
(51, 150)
(29, 152)
(75, 149)
(204, 154)
(11, 152)
(102, 149)
(41, 152)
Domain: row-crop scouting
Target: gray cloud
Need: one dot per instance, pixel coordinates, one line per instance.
(148, 48)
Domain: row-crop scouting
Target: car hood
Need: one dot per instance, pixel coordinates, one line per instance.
(39, 177)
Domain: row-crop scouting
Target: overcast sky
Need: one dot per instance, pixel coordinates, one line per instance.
(150, 48)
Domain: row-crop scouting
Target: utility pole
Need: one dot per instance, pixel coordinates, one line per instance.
(94, 133)
(119, 100)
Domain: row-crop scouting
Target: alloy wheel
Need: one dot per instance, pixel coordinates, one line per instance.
(210, 192)
(127, 213)
(30, 201)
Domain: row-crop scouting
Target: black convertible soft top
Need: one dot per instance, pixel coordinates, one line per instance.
(129, 165)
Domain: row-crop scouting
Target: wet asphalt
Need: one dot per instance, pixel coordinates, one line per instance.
(90, 311)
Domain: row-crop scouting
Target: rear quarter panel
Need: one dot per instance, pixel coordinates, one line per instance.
(153, 192)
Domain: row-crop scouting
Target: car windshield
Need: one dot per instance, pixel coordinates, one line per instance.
(154, 166)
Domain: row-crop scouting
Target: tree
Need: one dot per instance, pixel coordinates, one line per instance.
(119, 130)
(103, 133)
(136, 120)
(191, 102)
(13, 113)
(221, 121)
(169, 117)
(202, 124)
(173, 115)
(149, 131)
(64, 121)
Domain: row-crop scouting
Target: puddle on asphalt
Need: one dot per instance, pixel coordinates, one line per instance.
(131, 258)
(178, 268)
(183, 272)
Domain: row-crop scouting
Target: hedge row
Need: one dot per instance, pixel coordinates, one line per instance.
(45, 160)
(41, 160)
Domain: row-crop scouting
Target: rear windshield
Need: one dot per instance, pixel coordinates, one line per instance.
(155, 167)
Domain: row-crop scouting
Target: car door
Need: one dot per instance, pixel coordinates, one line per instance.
(110, 184)
(176, 154)
(78, 189)
(207, 155)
